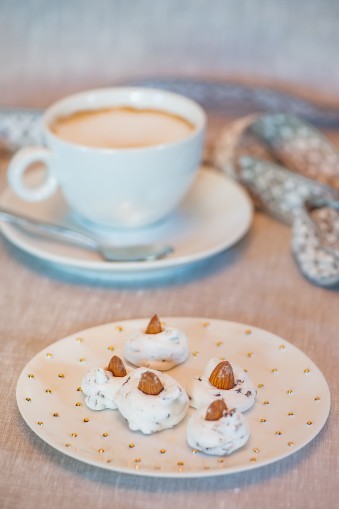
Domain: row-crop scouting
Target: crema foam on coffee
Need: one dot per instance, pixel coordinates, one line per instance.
(122, 127)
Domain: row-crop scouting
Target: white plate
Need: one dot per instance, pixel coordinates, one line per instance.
(215, 214)
(292, 405)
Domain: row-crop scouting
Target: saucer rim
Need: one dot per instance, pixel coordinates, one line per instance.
(10, 233)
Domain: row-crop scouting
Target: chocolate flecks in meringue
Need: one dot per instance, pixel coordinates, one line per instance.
(125, 382)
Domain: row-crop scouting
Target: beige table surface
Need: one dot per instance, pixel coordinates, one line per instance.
(255, 282)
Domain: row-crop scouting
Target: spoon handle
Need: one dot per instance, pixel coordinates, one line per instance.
(52, 230)
(131, 253)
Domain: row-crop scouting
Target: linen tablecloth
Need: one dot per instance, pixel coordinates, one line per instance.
(255, 282)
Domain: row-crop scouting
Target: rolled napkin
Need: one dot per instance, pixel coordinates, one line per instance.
(285, 163)
(315, 241)
(20, 128)
(281, 160)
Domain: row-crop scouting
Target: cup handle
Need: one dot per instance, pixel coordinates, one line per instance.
(18, 166)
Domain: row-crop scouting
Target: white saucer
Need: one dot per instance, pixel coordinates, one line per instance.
(291, 407)
(215, 214)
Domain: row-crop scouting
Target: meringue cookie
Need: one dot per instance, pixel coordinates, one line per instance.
(99, 387)
(150, 413)
(220, 437)
(202, 392)
(160, 351)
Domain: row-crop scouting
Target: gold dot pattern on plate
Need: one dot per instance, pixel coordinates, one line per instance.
(119, 328)
(248, 332)
(186, 462)
(222, 358)
(79, 340)
(206, 324)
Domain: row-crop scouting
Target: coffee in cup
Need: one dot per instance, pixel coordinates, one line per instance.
(122, 127)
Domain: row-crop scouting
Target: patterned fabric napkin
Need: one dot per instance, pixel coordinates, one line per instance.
(292, 171)
(19, 128)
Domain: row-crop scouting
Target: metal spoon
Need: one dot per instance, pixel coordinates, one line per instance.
(108, 252)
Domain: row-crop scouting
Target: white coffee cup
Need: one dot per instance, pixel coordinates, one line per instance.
(115, 187)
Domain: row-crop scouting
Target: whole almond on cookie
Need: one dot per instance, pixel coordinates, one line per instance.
(222, 376)
(117, 367)
(154, 326)
(150, 384)
(216, 410)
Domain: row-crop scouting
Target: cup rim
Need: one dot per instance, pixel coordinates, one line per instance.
(51, 112)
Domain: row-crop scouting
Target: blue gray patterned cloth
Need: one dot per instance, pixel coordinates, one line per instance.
(292, 171)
